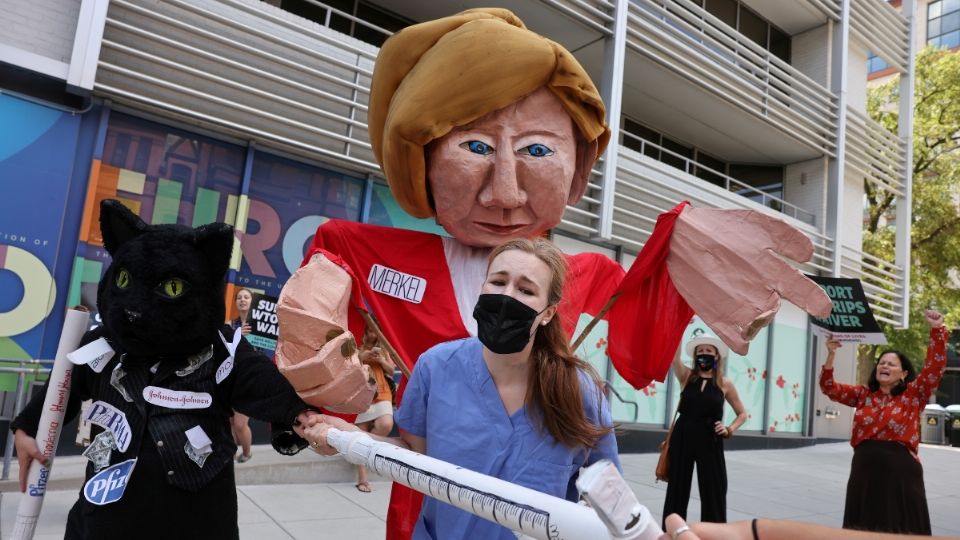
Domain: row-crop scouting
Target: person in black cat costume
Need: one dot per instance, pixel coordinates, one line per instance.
(166, 396)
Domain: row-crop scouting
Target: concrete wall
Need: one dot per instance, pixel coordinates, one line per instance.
(42, 27)
(810, 53)
(805, 185)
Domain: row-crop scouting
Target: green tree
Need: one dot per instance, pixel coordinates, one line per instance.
(935, 227)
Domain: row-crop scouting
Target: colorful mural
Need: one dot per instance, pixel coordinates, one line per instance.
(166, 175)
(38, 147)
(162, 174)
(288, 200)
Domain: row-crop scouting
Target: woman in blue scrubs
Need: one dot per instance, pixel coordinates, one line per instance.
(513, 402)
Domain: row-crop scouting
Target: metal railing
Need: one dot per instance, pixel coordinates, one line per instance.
(252, 69)
(40, 370)
(596, 14)
(882, 283)
(883, 29)
(830, 8)
(729, 183)
(646, 188)
(875, 152)
(691, 42)
(331, 11)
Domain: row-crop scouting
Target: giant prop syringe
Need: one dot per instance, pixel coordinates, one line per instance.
(614, 512)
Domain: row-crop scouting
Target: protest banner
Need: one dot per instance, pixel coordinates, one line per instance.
(851, 319)
(264, 327)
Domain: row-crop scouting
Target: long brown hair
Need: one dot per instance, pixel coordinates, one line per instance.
(554, 380)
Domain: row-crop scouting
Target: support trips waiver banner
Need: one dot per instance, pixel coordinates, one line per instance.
(851, 318)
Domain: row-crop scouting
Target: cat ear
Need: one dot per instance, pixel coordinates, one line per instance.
(118, 224)
(215, 241)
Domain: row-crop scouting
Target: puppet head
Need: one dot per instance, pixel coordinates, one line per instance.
(435, 78)
(162, 294)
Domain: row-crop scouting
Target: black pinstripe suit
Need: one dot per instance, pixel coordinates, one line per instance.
(168, 494)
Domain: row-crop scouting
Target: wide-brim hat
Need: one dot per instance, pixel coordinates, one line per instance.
(706, 338)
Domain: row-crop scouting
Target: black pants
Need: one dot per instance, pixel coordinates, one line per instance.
(885, 492)
(696, 443)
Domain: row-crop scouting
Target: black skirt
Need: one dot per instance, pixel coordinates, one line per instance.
(885, 492)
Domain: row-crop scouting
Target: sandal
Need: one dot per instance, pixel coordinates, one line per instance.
(243, 458)
(363, 487)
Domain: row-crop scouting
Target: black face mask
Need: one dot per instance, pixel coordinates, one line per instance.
(706, 362)
(503, 322)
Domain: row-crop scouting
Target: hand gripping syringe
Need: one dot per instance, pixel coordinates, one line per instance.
(615, 512)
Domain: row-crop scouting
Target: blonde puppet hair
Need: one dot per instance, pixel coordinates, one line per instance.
(432, 77)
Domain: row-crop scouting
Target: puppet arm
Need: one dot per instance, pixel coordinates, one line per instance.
(315, 351)
(727, 265)
(261, 392)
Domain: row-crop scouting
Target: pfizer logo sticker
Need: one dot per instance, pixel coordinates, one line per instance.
(108, 485)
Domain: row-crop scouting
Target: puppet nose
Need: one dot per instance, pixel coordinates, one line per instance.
(132, 316)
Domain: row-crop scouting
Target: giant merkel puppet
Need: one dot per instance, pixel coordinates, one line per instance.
(493, 130)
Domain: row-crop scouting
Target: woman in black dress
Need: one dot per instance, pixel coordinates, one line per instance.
(240, 423)
(699, 431)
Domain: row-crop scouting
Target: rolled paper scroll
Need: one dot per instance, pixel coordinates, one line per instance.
(51, 422)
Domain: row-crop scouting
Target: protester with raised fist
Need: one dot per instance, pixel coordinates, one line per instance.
(885, 491)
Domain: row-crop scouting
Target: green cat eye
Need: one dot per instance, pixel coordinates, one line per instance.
(173, 287)
(123, 278)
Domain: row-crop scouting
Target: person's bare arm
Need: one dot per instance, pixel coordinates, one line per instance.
(27, 452)
(733, 398)
(315, 432)
(832, 346)
(681, 371)
(772, 529)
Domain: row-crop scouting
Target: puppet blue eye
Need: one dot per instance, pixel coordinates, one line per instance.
(477, 147)
(123, 278)
(537, 150)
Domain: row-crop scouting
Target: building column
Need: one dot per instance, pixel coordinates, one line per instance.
(838, 73)
(611, 89)
(909, 9)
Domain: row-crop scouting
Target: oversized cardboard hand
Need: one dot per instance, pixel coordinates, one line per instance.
(315, 351)
(725, 264)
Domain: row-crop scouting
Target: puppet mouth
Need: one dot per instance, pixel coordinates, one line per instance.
(502, 230)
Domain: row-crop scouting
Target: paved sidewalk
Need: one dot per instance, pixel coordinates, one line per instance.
(805, 484)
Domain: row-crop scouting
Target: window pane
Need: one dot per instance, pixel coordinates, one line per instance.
(951, 40)
(640, 131)
(950, 6)
(725, 10)
(759, 176)
(677, 153)
(876, 64)
(933, 27)
(753, 27)
(780, 44)
(378, 17)
(950, 22)
(933, 10)
(711, 170)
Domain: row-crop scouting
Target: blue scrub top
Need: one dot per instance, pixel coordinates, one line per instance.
(452, 402)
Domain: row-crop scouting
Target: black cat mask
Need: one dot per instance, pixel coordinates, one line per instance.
(163, 293)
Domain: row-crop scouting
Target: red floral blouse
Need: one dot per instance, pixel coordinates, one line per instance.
(883, 417)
